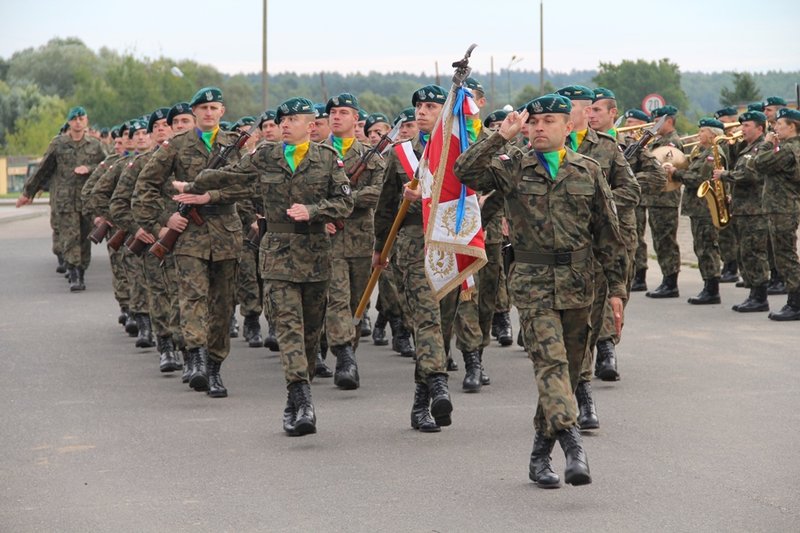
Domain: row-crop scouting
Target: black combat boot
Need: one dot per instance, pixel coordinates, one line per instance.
(167, 360)
(709, 294)
(366, 326)
(776, 284)
(472, 372)
(756, 301)
(790, 311)
(188, 365)
(289, 415)
(452, 366)
(505, 335)
(639, 281)
(379, 331)
(667, 289)
(485, 379)
(305, 419)
(321, 369)
(421, 418)
(74, 278)
(252, 330)
(441, 406)
(215, 387)
(577, 468)
(346, 375)
(605, 366)
(271, 341)
(62, 266)
(145, 338)
(198, 380)
(123, 315)
(587, 416)
(233, 329)
(520, 340)
(540, 471)
(401, 339)
(730, 272)
(131, 327)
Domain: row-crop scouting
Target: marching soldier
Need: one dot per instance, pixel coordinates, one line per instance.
(770, 108)
(376, 126)
(321, 128)
(560, 215)
(408, 124)
(728, 242)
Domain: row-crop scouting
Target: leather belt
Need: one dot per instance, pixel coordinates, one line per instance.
(552, 258)
(216, 209)
(302, 228)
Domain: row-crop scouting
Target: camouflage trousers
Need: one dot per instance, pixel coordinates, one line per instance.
(706, 246)
(556, 342)
(489, 285)
(783, 235)
(423, 309)
(249, 292)
(752, 234)
(54, 225)
(461, 315)
(298, 315)
(663, 223)
(162, 290)
(503, 304)
(137, 286)
(206, 297)
(728, 244)
(74, 233)
(119, 278)
(388, 298)
(349, 278)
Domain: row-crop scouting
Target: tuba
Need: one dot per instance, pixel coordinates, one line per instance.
(714, 192)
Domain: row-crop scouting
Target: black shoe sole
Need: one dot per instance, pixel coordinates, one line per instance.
(255, 343)
(739, 309)
(607, 374)
(217, 394)
(199, 382)
(715, 301)
(323, 373)
(272, 347)
(347, 384)
(408, 354)
(440, 411)
(471, 389)
(658, 296)
(577, 479)
(421, 429)
(145, 344)
(555, 485)
(589, 427)
(304, 427)
(381, 342)
(505, 341)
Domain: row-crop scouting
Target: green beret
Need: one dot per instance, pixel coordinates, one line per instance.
(775, 100)
(181, 108)
(668, 110)
(294, 106)
(791, 114)
(406, 115)
(429, 93)
(76, 111)
(135, 126)
(104, 132)
(375, 118)
(206, 95)
(549, 103)
(709, 122)
(638, 114)
(269, 114)
(755, 116)
(158, 114)
(320, 111)
(495, 116)
(115, 132)
(726, 112)
(576, 92)
(756, 106)
(244, 121)
(224, 125)
(601, 93)
(342, 100)
(362, 115)
(124, 128)
(474, 85)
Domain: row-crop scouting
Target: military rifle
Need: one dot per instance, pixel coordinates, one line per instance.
(647, 136)
(99, 232)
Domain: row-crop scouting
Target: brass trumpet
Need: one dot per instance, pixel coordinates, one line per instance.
(635, 131)
(687, 137)
(732, 139)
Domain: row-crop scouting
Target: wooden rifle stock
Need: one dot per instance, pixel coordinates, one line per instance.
(99, 232)
(117, 239)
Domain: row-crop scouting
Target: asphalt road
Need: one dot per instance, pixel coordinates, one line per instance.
(701, 433)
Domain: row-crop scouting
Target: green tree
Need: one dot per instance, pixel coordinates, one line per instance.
(745, 90)
(529, 92)
(53, 66)
(631, 81)
(34, 131)
(16, 101)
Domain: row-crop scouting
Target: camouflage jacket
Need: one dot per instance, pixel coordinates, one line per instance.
(86, 190)
(182, 158)
(394, 177)
(358, 234)
(663, 198)
(569, 214)
(100, 197)
(701, 168)
(781, 169)
(649, 173)
(318, 182)
(120, 204)
(58, 165)
(747, 184)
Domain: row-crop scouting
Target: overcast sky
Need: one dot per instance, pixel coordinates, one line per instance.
(366, 35)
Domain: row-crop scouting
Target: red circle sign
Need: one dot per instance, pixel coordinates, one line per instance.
(652, 101)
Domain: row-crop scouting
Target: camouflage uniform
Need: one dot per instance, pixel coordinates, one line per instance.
(57, 165)
(295, 257)
(662, 209)
(781, 202)
(352, 249)
(489, 276)
(554, 299)
(207, 256)
(704, 233)
(747, 216)
(409, 268)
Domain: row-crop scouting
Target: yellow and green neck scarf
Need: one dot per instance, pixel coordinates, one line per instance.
(294, 153)
(613, 132)
(552, 161)
(208, 137)
(474, 126)
(576, 138)
(342, 145)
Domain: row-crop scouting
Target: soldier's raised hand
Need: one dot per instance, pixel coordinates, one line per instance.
(512, 124)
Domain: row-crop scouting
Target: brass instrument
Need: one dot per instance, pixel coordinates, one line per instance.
(635, 131)
(714, 191)
(671, 154)
(687, 137)
(732, 139)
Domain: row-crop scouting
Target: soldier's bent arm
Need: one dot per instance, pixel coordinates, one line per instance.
(627, 191)
(366, 196)
(650, 174)
(120, 205)
(482, 169)
(770, 162)
(339, 203)
(607, 245)
(386, 210)
(46, 169)
(147, 207)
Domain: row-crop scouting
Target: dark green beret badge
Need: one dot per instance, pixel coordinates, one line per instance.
(406, 115)
(159, 114)
(429, 93)
(755, 116)
(638, 114)
(375, 118)
(498, 115)
(207, 95)
(549, 103)
(342, 100)
(668, 110)
(181, 108)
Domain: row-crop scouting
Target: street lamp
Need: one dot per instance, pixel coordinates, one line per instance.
(514, 61)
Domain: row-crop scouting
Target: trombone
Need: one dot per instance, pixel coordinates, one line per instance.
(732, 139)
(635, 131)
(685, 138)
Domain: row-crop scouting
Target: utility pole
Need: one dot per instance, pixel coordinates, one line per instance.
(541, 46)
(438, 79)
(514, 61)
(491, 78)
(264, 94)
